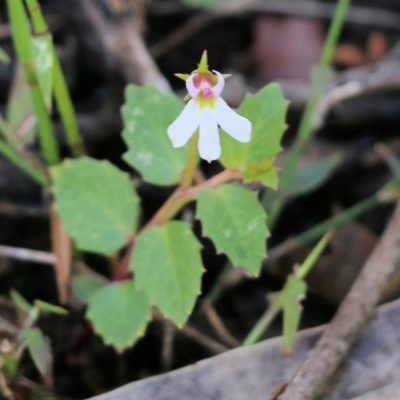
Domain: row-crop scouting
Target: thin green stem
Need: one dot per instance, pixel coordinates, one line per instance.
(305, 131)
(38, 20)
(193, 160)
(304, 238)
(22, 42)
(46, 131)
(277, 303)
(60, 87)
(339, 219)
(319, 229)
(7, 151)
(265, 321)
(313, 257)
(66, 109)
(334, 32)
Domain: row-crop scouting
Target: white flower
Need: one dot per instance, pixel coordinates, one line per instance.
(206, 111)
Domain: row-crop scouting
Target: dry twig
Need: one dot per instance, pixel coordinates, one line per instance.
(22, 211)
(115, 41)
(352, 317)
(217, 324)
(204, 340)
(167, 345)
(18, 253)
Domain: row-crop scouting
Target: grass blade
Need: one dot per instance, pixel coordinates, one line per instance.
(22, 42)
(60, 88)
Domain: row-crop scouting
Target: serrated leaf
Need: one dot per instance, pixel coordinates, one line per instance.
(236, 222)
(84, 286)
(42, 53)
(312, 176)
(147, 114)
(42, 305)
(263, 171)
(20, 301)
(4, 57)
(167, 265)
(293, 292)
(39, 350)
(119, 313)
(97, 204)
(266, 110)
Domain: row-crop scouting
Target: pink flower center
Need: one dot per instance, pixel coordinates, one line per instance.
(204, 83)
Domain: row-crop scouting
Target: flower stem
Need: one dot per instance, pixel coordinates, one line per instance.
(182, 196)
(174, 204)
(193, 160)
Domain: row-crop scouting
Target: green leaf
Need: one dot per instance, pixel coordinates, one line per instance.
(42, 53)
(97, 204)
(147, 114)
(20, 301)
(167, 265)
(119, 313)
(266, 110)
(312, 176)
(84, 286)
(236, 222)
(20, 112)
(39, 350)
(4, 58)
(50, 307)
(10, 366)
(293, 292)
(264, 171)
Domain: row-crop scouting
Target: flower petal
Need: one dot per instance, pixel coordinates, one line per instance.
(232, 123)
(191, 88)
(182, 129)
(219, 87)
(209, 147)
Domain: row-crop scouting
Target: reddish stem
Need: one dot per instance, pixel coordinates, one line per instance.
(122, 271)
(169, 209)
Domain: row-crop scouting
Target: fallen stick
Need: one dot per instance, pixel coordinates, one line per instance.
(353, 315)
(35, 256)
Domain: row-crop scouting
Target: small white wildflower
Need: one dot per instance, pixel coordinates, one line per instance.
(205, 111)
